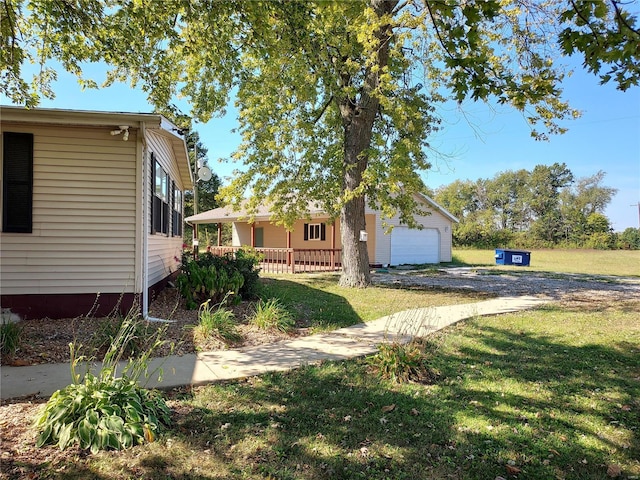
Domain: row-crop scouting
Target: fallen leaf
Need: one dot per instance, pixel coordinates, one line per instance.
(614, 471)
(364, 451)
(415, 412)
(149, 436)
(555, 452)
(499, 478)
(511, 470)
(626, 408)
(19, 363)
(388, 408)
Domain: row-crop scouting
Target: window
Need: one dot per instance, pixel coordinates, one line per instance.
(177, 211)
(17, 182)
(160, 199)
(315, 231)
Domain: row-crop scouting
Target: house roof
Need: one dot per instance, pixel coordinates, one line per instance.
(111, 120)
(436, 206)
(228, 214)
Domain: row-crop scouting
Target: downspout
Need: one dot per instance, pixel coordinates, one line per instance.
(145, 223)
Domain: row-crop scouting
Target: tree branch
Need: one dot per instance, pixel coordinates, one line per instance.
(596, 35)
(621, 18)
(324, 109)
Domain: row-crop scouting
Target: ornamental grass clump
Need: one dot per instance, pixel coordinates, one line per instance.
(402, 363)
(108, 409)
(10, 337)
(272, 315)
(217, 322)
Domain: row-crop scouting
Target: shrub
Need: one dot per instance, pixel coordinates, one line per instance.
(629, 239)
(272, 315)
(10, 336)
(401, 362)
(202, 280)
(219, 323)
(247, 261)
(106, 411)
(600, 241)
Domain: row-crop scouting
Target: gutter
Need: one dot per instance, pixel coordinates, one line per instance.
(145, 224)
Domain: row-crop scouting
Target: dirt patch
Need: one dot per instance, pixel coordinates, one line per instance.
(47, 340)
(554, 286)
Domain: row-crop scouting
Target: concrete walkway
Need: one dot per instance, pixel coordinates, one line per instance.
(202, 368)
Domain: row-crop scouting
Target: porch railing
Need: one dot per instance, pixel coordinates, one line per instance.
(292, 260)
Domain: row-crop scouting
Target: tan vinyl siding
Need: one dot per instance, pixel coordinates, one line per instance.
(84, 201)
(164, 251)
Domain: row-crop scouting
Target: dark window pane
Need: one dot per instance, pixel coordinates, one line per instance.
(17, 182)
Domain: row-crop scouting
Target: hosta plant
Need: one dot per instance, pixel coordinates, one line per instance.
(109, 409)
(100, 414)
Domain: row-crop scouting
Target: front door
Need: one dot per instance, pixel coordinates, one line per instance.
(259, 237)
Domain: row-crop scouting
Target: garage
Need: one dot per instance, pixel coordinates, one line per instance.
(413, 246)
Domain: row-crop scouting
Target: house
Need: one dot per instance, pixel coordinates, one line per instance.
(92, 210)
(403, 245)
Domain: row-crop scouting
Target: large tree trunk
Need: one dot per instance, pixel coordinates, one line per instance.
(358, 116)
(355, 258)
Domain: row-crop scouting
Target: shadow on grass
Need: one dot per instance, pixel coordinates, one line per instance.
(509, 400)
(506, 400)
(314, 307)
(321, 310)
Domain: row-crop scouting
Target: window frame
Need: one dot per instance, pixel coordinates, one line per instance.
(315, 232)
(177, 210)
(160, 198)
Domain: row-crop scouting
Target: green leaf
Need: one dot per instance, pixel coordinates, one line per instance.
(85, 433)
(64, 436)
(44, 436)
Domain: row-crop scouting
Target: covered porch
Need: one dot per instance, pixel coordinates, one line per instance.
(311, 246)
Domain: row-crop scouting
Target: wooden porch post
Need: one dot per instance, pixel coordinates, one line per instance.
(253, 235)
(289, 257)
(220, 234)
(333, 244)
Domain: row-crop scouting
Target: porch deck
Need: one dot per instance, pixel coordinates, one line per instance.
(292, 260)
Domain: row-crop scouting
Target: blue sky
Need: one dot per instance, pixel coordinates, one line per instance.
(475, 142)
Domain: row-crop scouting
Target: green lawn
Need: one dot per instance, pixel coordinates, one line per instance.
(545, 394)
(552, 393)
(593, 262)
(320, 303)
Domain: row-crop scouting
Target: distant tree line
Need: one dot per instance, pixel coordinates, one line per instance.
(545, 207)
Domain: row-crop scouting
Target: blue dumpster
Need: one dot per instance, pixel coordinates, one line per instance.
(512, 257)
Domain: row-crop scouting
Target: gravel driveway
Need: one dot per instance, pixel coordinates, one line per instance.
(556, 286)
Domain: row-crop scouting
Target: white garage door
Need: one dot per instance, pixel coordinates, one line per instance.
(409, 245)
